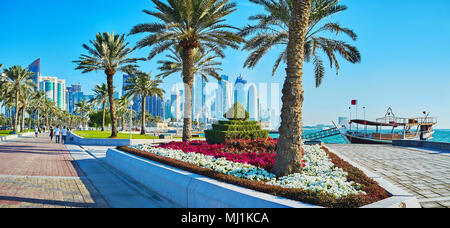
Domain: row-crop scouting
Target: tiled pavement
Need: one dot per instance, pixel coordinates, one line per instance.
(422, 172)
(37, 173)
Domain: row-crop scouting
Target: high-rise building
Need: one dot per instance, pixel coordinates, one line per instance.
(155, 106)
(55, 90)
(275, 108)
(71, 96)
(252, 103)
(224, 97)
(35, 67)
(199, 98)
(239, 91)
(175, 107)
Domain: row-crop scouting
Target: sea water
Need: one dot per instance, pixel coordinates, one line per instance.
(441, 135)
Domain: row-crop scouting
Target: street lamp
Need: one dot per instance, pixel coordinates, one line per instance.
(131, 118)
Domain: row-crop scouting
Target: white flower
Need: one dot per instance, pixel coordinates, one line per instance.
(319, 174)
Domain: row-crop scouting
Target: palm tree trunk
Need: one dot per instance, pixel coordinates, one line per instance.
(290, 146)
(143, 116)
(10, 117)
(38, 121)
(22, 126)
(188, 79)
(29, 121)
(104, 112)
(112, 104)
(16, 112)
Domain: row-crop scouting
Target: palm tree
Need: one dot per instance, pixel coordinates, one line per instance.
(18, 76)
(83, 107)
(26, 94)
(100, 98)
(272, 30)
(189, 25)
(38, 100)
(289, 148)
(123, 110)
(142, 85)
(7, 98)
(109, 53)
(47, 109)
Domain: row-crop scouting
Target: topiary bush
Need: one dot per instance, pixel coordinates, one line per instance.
(237, 127)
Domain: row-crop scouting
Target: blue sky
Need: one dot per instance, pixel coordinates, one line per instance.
(404, 46)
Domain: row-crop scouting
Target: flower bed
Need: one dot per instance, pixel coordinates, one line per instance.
(326, 181)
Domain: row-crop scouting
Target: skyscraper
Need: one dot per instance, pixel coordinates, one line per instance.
(55, 90)
(71, 96)
(155, 106)
(239, 91)
(224, 97)
(275, 108)
(252, 103)
(175, 107)
(35, 67)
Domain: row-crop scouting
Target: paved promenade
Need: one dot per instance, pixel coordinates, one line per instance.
(424, 173)
(37, 173)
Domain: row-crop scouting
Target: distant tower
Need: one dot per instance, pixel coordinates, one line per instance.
(239, 91)
(175, 107)
(35, 67)
(224, 97)
(252, 103)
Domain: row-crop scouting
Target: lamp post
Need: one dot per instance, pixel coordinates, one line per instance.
(131, 118)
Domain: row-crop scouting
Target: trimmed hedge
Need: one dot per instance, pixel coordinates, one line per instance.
(232, 130)
(236, 127)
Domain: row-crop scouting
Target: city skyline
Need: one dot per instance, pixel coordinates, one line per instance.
(394, 54)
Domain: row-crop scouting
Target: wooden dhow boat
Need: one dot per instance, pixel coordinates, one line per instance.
(388, 128)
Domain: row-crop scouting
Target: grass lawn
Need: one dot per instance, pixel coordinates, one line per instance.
(6, 132)
(106, 134)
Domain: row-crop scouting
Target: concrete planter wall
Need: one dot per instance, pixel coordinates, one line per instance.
(10, 137)
(78, 140)
(424, 144)
(190, 190)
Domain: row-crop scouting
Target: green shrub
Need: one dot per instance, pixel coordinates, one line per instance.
(235, 128)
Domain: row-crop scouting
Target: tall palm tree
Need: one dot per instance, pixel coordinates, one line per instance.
(109, 53)
(47, 109)
(290, 146)
(189, 25)
(142, 85)
(26, 94)
(83, 107)
(18, 76)
(7, 98)
(123, 111)
(272, 30)
(101, 98)
(38, 100)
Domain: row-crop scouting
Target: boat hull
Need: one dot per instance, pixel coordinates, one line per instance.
(359, 140)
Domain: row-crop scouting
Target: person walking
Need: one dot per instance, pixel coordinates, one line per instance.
(63, 135)
(52, 133)
(57, 134)
(36, 132)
